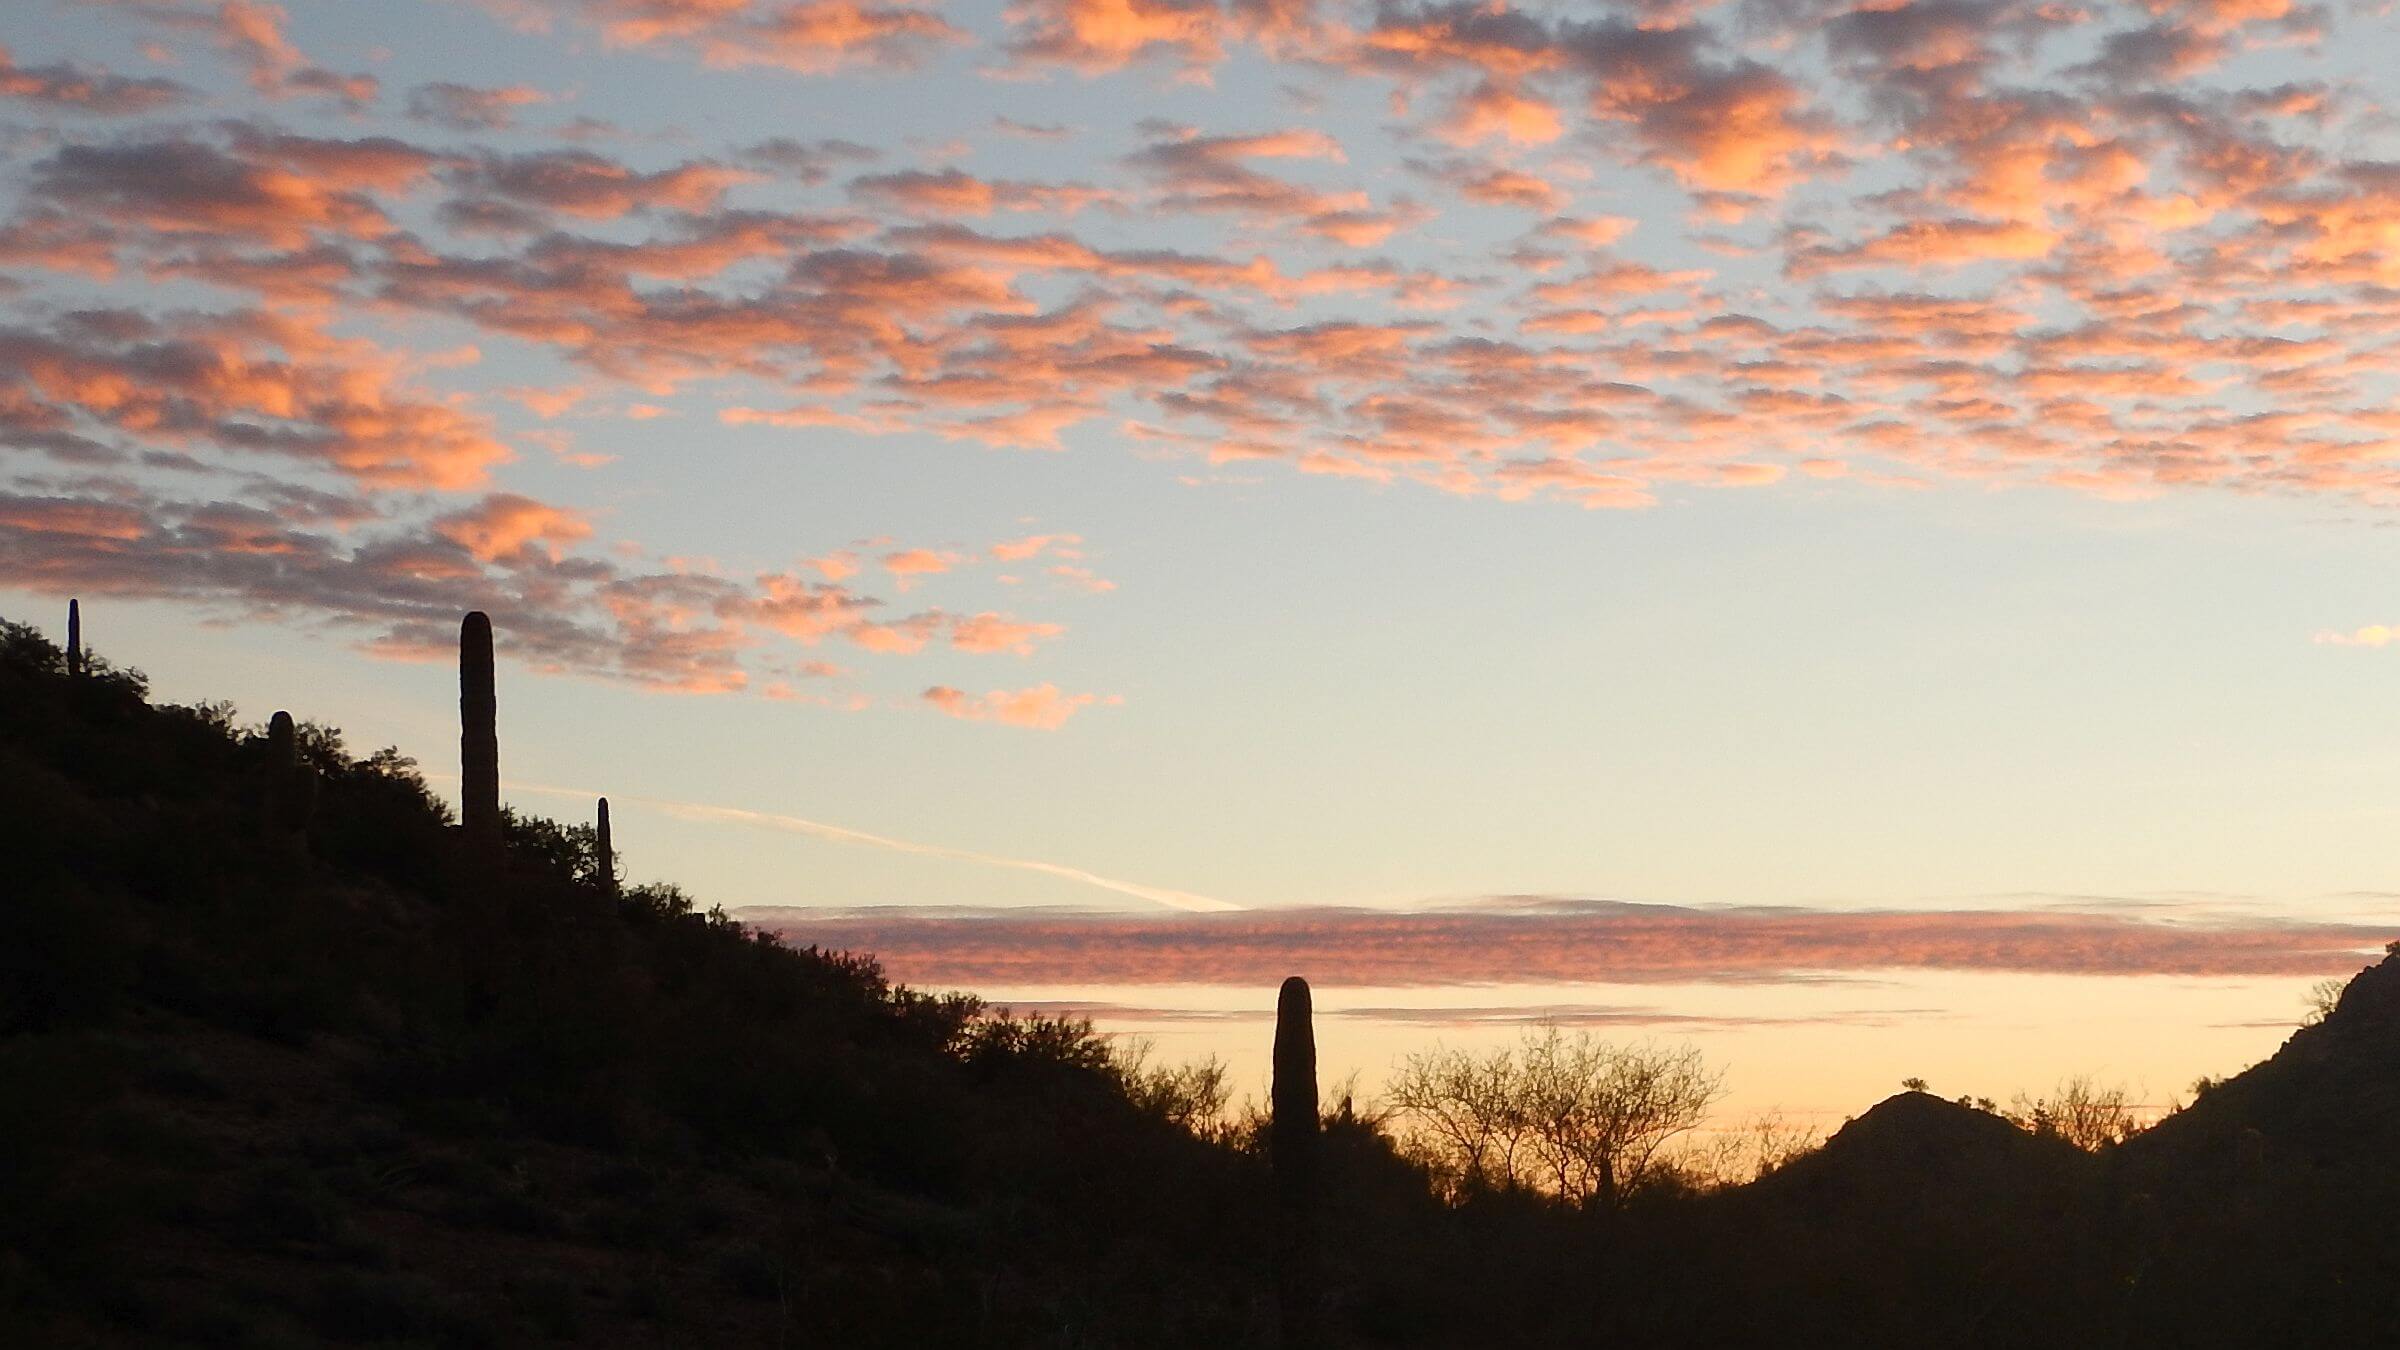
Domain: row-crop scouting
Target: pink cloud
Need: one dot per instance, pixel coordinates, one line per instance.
(1536, 940)
(1041, 707)
(953, 193)
(251, 33)
(580, 183)
(805, 36)
(466, 107)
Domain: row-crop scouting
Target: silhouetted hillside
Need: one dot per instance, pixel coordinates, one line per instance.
(1914, 1146)
(2272, 1205)
(285, 1072)
(289, 1058)
(2329, 1096)
(1921, 1213)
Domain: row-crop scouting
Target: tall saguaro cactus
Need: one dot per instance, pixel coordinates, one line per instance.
(1292, 1146)
(479, 733)
(291, 796)
(74, 637)
(608, 853)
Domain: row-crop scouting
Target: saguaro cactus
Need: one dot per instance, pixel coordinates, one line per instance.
(291, 781)
(479, 733)
(74, 637)
(1292, 1150)
(608, 853)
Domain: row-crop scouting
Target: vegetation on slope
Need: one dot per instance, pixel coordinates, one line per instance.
(366, 1080)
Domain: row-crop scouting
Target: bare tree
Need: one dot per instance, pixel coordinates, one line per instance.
(2084, 1113)
(1772, 1141)
(2322, 998)
(1572, 1116)
(1462, 1116)
(1191, 1095)
(1740, 1154)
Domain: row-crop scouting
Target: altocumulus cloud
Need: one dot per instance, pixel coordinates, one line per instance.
(2125, 248)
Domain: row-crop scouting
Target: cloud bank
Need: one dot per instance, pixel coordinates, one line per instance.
(1560, 941)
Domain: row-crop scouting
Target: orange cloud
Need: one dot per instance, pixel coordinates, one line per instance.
(1498, 109)
(1033, 545)
(1041, 707)
(1507, 187)
(905, 564)
(77, 89)
(1931, 243)
(2373, 635)
(989, 632)
(182, 187)
(502, 526)
(248, 383)
(807, 36)
(1094, 37)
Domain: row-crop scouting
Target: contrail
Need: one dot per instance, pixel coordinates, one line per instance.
(1173, 899)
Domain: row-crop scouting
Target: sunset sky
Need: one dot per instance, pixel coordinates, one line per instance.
(1861, 536)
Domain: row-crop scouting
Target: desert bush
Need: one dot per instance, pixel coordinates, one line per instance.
(1570, 1116)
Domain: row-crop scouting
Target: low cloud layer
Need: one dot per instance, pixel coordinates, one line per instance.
(1561, 941)
(1593, 1015)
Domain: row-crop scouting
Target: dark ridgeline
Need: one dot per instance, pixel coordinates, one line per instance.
(606, 850)
(1293, 1147)
(479, 733)
(74, 637)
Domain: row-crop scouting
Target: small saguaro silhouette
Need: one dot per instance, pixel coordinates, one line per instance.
(608, 852)
(291, 796)
(1292, 1152)
(479, 734)
(74, 637)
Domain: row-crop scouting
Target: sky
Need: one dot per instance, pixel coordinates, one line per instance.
(1858, 536)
